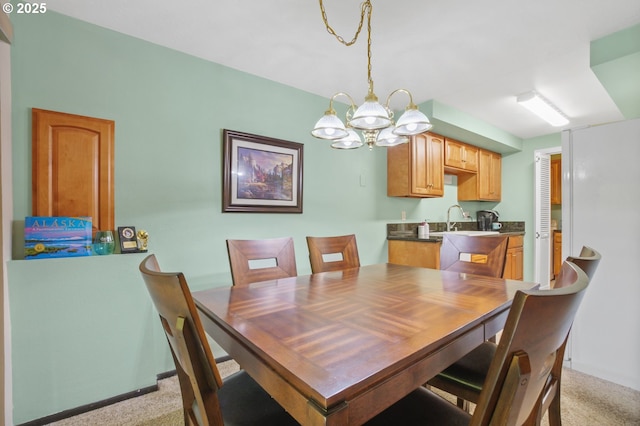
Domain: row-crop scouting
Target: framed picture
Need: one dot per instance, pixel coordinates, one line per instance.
(261, 174)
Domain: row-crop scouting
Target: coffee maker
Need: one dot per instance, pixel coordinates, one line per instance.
(486, 218)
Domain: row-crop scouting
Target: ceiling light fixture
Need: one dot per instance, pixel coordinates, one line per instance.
(373, 119)
(542, 108)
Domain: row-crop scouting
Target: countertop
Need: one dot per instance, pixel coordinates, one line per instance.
(409, 231)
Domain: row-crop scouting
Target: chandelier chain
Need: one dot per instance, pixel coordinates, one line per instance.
(365, 10)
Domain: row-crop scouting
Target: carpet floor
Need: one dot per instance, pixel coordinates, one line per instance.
(586, 400)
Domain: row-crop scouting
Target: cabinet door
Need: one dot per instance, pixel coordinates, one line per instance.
(517, 258)
(557, 252)
(556, 182)
(454, 154)
(459, 155)
(72, 167)
(414, 253)
(514, 261)
(427, 165)
(489, 176)
(471, 158)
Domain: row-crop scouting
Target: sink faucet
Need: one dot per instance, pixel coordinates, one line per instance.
(449, 223)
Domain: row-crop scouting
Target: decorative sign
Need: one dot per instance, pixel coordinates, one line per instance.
(128, 240)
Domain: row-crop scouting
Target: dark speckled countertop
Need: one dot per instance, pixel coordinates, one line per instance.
(408, 231)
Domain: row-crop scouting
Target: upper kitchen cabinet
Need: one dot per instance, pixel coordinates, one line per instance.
(486, 185)
(416, 169)
(460, 157)
(556, 180)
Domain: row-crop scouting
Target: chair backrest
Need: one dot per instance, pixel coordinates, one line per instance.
(536, 328)
(587, 261)
(261, 260)
(474, 255)
(333, 253)
(196, 368)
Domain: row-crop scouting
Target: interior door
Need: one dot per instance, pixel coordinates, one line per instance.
(543, 240)
(72, 167)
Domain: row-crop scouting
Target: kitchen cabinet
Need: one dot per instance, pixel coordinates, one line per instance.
(415, 253)
(486, 185)
(514, 261)
(556, 181)
(557, 252)
(416, 169)
(460, 157)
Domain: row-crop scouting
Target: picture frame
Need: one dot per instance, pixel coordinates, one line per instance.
(261, 174)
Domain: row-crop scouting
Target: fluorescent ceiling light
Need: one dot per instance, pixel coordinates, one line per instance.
(542, 108)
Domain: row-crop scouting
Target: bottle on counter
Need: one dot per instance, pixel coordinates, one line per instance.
(423, 230)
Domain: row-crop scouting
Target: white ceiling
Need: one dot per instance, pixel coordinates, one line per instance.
(471, 55)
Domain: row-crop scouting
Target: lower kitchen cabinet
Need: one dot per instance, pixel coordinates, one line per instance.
(415, 253)
(514, 262)
(557, 252)
(426, 254)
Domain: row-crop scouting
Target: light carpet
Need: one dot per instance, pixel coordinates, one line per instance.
(586, 400)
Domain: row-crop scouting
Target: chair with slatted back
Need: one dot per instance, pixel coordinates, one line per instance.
(483, 255)
(206, 399)
(465, 378)
(333, 253)
(261, 260)
(536, 328)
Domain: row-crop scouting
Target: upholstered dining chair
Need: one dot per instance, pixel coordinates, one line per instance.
(333, 253)
(206, 400)
(261, 260)
(474, 255)
(536, 328)
(466, 377)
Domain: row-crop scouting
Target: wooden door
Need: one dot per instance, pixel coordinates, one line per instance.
(72, 167)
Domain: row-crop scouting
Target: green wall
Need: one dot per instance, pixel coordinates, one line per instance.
(83, 329)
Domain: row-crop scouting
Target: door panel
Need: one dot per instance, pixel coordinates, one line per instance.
(543, 240)
(72, 170)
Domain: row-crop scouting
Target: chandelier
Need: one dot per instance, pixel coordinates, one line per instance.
(374, 120)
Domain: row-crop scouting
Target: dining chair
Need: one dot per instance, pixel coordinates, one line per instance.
(206, 400)
(588, 261)
(465, 378)
(474, 255)
(333, 253)
(535, 330)
(261, 260)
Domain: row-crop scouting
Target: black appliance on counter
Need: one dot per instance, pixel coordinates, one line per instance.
(486, 218)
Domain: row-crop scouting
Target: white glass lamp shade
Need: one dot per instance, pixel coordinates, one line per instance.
(370, 116)
(386, 137)
(329, 127)
(351, 141)
(412, 122)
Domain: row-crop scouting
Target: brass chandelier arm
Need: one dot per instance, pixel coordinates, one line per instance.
(335, 95)
(411, 105)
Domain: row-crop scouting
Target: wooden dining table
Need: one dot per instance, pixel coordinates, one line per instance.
(336, 348)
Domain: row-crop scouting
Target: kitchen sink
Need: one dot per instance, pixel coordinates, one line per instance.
(468, 233)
